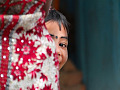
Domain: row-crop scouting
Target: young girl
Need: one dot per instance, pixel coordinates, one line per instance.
(57, 26)
(28, 60)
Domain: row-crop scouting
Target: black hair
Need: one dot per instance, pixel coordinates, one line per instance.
(55, 15)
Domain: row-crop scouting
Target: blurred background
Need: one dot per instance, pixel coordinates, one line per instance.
(94, 44)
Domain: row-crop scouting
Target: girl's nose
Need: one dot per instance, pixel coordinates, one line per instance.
(58, 49)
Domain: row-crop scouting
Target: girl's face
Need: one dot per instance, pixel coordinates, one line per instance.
(61, 41)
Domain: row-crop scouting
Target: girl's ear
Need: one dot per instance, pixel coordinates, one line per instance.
(47, 6)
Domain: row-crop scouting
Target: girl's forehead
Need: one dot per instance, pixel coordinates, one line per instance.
(59, 24)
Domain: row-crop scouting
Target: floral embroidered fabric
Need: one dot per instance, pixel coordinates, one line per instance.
(28, 60)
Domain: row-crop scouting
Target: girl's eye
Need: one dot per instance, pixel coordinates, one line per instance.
(62, 45)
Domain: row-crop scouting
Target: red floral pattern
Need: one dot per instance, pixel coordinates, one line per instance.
(49, 38)
(18, 71)
(56, 76)
(43, 77)
(26, 50)
(56, 59)
(43, 56)
(33, 73)
(37, 31)
(47, 87)
(33, 88)
(49, 52)
(19, 30)
(39, 64)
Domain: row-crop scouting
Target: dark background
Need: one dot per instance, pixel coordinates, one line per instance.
(94, 40)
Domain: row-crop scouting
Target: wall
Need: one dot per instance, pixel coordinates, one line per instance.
(98, 43)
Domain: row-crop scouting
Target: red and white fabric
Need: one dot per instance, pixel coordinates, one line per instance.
(28, 60)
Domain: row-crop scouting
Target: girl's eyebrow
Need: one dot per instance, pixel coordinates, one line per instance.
(52, 35)
(64, 37)
(60, 37)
